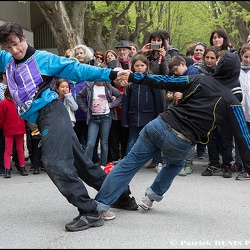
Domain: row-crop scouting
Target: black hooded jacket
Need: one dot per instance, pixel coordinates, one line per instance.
(207, 101)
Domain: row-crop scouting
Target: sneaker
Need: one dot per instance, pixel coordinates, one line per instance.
(127, 205)
(243, 176)
(74, 220)
(84, 222)
(226, 171)
(36, 171)
(182, 172)
(158, 168)
(2, 171)
(107, 215)
(188, 170)
(146, 202)
(201, 157)
(211, 170)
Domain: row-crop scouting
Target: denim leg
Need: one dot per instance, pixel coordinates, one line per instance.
(154, 137)
(105, 124)
(157, 158)
(93, 130)
(133, 135)
(200, 149)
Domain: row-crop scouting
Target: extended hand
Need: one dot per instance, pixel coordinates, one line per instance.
(122, 78)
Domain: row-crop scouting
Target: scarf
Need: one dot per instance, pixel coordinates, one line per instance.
(245, 67)
(120, 63)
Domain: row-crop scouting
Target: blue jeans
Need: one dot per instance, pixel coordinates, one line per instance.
(99, 124)
(133, 135)
(156, 136)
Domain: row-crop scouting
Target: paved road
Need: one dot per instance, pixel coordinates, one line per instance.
(197, 212)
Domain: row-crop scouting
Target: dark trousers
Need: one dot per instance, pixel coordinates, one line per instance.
(220, 141)
(65, 160)
(118, 141)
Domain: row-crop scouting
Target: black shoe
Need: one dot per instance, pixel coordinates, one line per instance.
(7, 173)
(84, 222)
(211, 170)
(74, 220)
(127, 205)
(23, 171)
(226, 171)
(36, 171)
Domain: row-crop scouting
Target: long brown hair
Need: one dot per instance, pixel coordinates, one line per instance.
(7, 94)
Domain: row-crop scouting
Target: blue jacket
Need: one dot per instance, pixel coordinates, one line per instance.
(140, 105)
(31, 80)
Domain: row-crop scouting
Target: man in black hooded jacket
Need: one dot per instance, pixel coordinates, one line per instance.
(207, 101)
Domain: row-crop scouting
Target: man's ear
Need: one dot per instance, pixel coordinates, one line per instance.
(182, 64)
(24, 37)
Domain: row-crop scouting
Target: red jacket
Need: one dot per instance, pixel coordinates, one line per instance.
(10, 122)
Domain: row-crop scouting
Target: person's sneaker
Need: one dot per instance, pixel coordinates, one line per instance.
(130, 204)
(2, 171)
(201, 157)
(146, 202)
(211, 170)
(188, 170)
(182, 172)
(84, 222)
(226, 171)
(243, 176)
(108, 215)
(36, 171)
(158, 167)
(74, 220)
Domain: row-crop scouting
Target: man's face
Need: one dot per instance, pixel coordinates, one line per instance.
(17, 47)
(123, 53)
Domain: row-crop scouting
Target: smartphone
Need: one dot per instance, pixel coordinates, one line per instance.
(155, 46)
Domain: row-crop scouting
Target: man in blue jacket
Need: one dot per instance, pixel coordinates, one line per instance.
(30, 75)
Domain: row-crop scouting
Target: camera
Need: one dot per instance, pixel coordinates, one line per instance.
(155, 46)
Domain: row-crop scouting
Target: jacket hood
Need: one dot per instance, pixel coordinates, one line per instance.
(227, 71)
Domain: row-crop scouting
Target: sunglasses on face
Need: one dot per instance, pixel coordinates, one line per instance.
(99, 57)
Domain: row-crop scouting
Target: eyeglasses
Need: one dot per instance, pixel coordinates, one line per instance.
(99, 57)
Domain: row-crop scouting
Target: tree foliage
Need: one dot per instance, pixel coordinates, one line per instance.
(101, 24)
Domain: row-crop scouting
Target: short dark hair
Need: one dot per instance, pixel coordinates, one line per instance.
(176, 61)
(9, 29)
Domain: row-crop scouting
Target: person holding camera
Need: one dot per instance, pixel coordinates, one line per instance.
(156, 53)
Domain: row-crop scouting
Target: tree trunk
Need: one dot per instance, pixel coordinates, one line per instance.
(58, 20)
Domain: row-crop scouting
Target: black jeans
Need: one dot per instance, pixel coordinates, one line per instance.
(221, 141)
(64, 159)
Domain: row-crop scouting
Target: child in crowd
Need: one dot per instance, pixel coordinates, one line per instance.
(148, 104)
(63, 90)
(13, 128)
(35, 152)
(102, 99)
(178, 66)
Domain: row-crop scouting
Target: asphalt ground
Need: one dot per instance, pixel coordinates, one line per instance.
(197, 212)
